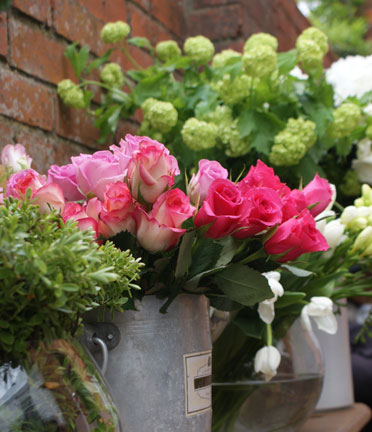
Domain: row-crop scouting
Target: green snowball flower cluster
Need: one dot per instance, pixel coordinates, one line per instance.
(260, 61)
(199, 135)
(312, 46)
(234, 90)
(112, 75)
(351, 185)
(346, 119)
(220, 60)
(162, 116)
(292, 143)
(115, 32)
(261, 39)
(71, 94)
(199, 48)
(167, 50)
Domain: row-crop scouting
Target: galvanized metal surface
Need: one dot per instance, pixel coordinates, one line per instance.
(146, 371)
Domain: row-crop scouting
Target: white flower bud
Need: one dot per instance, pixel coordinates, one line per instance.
(267, 361)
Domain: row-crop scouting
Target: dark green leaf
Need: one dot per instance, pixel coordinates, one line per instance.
(246, 123)
(5, 5)
(78, 58)
(243, 284)
(99, 61)
(185, 254)
(205, 257)
(289, 298)
(223, 303)
(6, 338)
(252, 327)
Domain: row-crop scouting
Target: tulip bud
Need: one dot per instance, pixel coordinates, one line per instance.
(267, 361)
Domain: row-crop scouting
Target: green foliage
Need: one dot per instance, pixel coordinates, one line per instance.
(344, 24)
(50, 273)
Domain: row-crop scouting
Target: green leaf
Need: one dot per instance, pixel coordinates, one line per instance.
(205, 257)
(246, 123)
(289, 298)
(99, 61)
(78, 58)
(252, 327)
(141, 42)
(185, 254)
(222, 303)
(5, 5)
(298, 271)
(243, 285)
(320, 115)
(70, 287)
(6, 338)
(4, 324)
(287, 61)
(151, 87)
(230, 246)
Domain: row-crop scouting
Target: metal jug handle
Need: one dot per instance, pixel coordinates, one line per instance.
(103, 337)
(104, 350)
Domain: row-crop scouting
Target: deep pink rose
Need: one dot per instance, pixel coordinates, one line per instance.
(152, 235)
(293, 204)
(295, 237)
(94, 172)
(222, 208)
(263, 176)
(318, 191)
(118, 208)
(73, 211)
(19, 182)
(172, 208)
(262, 209)
(49, 197)
(65, 177)
(15, 157)
(199, 183)
(151, 171)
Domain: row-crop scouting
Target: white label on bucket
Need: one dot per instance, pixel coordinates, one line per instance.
(198, 382)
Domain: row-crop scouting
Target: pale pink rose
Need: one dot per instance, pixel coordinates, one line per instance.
(151, 171)
(15, 157)
(65, 177)
(126, 150)
(50, 197)
(19, 182)
(153, 236)
(94, 172)
(118, 208)
(73, 211)
(86, 224)
(94, 209)
(199, 183)
(172, 208)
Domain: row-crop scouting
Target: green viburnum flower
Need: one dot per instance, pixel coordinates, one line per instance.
(369, 132)
(233, 91)
(221, 115)
(199, 48)
(260, 61)
(220, 60)
(167, 50)
(310, 55)
(71, 94)
(261, 39)
(316, 35)
(162, 116)
(235, 145)
(115, 32)
(147, 104)
(112, 75)
(199, 135)
(292, 143)
(351, 184)
(346, 119)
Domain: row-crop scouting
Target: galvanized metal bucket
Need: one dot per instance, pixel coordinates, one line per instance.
(160, 372)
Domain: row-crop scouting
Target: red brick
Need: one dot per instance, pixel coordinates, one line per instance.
(139, 55)
(236, 45)
(75, 124)
(145, 4)
(216, 23)
(125, 127)
(49, 64)
(6, 132)
(76, 23)
(296, 18)
(286, 32)
(171, 14)
(25, 101)
(3, 35)
(143, 25)
(38, 9)
(106, 10)
(198, 4)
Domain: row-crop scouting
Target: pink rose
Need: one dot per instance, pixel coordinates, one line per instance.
(317, 191)
(295, 237)
(152, 235)
(262, 209)
(73, 211)
(199, 183)
(263, 176)
(151, 171)
(65, 177)
(78, 213)
(19, 182)
(126, 151)
(86, 224)
(118, 208)
(222, 208)
(15, 157)
(172, 208)
(50, 197)
(94, 172)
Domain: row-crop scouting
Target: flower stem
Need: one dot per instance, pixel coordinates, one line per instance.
(269, 335)
(131, 59)
(256, 255)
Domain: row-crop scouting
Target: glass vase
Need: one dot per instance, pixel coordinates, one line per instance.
(57, 389)
(282, 404)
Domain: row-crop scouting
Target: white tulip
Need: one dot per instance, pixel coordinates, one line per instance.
(266, 308)
(321, 310)
(334, 233)
(267, 361)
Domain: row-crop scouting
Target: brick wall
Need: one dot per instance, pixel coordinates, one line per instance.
(35, 33)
